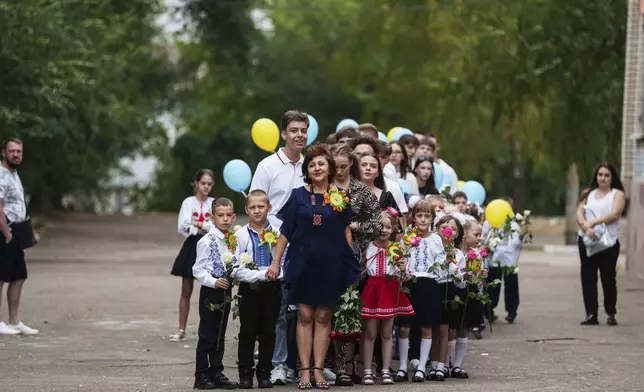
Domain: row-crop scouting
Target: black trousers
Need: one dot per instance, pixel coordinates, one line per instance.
(510, 288)
(291, 339)
(259, 308)
(606, 263)
(212, 330)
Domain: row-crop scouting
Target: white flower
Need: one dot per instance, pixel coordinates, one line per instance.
(518, 217)
(228, 258)
(245, 258)
(237, 227)
(494, 242)
(516, 270)
(527, 213)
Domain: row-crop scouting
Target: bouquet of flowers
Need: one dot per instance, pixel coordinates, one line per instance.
(268, 237)
(523, 220)
(347, 321)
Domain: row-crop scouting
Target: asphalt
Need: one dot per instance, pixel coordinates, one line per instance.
(101, 295)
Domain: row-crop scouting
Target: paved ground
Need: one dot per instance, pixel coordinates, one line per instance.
(101, 294)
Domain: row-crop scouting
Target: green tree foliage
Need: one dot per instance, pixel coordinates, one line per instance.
(80, 82)
(517, 90)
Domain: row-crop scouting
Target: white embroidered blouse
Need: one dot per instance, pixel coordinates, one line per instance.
(429, 252)
(192, 209)
(377, 262)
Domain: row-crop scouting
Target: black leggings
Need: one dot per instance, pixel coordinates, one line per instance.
(606, 263)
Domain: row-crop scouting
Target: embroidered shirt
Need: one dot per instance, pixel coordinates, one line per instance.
(430, 252)
(12, 195)
(192, 209)
(278, 176)
(249, 243)
(377, 262)
(209, 265)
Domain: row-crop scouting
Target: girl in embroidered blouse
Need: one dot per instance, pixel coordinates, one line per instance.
(424, 294)
(320, 264)
(383, 297)
(194, 222)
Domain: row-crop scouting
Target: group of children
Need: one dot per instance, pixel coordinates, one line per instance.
(417, 282)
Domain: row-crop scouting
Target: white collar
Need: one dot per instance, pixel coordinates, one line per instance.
(284, 159)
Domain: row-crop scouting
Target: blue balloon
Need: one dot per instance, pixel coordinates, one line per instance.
(404, 186)
(438, 175)
(447, 180)
(474, 191)
(382, 137)
(313, 130)
(347, 122)
(237, 175)
(399, 133)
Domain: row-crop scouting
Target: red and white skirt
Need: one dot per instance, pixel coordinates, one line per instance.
(382, 297)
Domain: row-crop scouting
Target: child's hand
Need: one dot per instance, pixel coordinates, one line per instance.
(222, 283)
(354, 226)
(273, 272)
(484, 273)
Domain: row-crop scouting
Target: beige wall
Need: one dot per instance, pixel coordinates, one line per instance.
(635, 232)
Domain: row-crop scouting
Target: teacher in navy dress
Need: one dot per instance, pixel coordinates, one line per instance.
(320, 262)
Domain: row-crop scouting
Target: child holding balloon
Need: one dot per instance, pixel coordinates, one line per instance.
(505, 256)
(194, 221)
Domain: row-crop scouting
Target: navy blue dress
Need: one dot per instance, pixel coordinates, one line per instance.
(320, 265)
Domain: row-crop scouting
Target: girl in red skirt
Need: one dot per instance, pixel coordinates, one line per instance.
(382, 296)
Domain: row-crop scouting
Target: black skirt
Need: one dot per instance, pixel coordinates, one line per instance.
(186, 257)
(464, 314)
(425, 298)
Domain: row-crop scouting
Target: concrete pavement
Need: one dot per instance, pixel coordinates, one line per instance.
(101, 294)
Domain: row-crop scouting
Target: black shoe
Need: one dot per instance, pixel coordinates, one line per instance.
(203, 382)
(222, 382)
(611, 320)
(476, 331)
(590, 319)
(264, 382)
(511, 317)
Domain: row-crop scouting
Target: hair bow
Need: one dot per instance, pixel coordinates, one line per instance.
(392, 211)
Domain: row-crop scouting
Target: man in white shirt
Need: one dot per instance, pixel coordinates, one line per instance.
(449, 175)
(13, 209)
(278, 175)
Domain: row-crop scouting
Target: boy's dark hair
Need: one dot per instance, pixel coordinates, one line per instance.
(374, 143)
(222, 202)
(427, 142)
(368, 128)
(347, 131)
(385, 149)
(293, 115)
(331, 139)
(458, 194)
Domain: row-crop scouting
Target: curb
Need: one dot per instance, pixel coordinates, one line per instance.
(551, 248)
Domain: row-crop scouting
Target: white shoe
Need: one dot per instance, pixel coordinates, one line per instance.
(180, 336)
(290, 375)
(328, 375)
(23, 329)
(278, 375)
(6, 330)
(414, 364)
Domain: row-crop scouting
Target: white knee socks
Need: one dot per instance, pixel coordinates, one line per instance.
(425, 346)
(460, 351)
(403, 352)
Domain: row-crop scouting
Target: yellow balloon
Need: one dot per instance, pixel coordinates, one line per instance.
(391, 132)
(460, 184)
(497, 211)
(265, 134)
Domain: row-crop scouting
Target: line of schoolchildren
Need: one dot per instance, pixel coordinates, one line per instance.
(434, 274)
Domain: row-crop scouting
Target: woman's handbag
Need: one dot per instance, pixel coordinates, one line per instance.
(603, 240)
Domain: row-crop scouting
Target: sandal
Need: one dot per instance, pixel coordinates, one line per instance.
(431, 376)
(344, 379)
(418, 378)
(368, 378)
(440, 375)
(179, 336)
(320, 384)
(401, 376)
(386, 377)
(304, 385)
(457, 372)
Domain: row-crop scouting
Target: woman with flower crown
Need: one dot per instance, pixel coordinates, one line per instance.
(320, 264)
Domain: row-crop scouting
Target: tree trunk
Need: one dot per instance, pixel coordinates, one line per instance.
(572, 194)
(518, 177)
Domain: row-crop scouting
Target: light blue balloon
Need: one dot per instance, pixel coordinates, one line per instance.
(237, 175)
(404, 186)
(474, 191)
(447, 180)
(346, 122)
(399, 133)
(382, 137)
(312, 132)
(438, 175)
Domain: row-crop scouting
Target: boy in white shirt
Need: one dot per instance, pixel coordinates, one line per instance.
(214, 251)
(259, 298)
